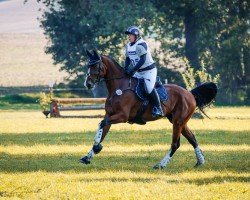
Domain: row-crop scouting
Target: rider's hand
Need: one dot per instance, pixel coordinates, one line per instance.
(130, 72)
(126, 69)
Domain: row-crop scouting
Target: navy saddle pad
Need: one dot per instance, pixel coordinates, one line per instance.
(142, 94)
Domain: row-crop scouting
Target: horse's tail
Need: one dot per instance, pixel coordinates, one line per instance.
(204, 95)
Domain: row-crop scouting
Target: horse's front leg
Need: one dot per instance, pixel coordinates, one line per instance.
(101, 132)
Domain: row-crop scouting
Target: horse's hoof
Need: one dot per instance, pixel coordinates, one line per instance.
(158, 166)
(85, 160)
(198, 164)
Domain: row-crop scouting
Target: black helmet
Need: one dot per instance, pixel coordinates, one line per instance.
(134, 30)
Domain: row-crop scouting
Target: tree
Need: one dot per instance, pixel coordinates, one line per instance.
(75, 26)
(210, 33)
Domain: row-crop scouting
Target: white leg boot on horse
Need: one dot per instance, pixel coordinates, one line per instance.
(164, 161)
(175, 145)
(187, 133)
(103, 129)
(199, 156)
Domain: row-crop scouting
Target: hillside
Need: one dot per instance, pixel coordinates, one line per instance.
(22, 58)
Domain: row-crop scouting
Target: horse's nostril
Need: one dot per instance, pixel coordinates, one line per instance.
(88, 85)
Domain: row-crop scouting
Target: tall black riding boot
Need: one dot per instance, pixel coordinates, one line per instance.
(156, 103)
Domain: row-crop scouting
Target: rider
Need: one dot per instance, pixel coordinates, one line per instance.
(138, 54)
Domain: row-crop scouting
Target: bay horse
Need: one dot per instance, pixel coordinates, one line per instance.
(122, 105)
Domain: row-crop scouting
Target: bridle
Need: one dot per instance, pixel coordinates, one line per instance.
(98, 79)
(100, 68)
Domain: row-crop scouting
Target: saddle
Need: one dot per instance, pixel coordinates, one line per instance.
(142, 95)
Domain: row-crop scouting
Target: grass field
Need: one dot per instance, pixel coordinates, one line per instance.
(39, 158)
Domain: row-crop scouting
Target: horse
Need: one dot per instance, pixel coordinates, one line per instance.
(122, 105)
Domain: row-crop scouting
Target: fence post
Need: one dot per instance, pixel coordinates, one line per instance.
(54, 110)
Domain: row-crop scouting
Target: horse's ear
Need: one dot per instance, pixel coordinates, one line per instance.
(89, 54)
(96, 54)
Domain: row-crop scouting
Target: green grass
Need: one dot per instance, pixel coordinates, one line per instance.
(39, 159)
(29, 101)
(19, 102)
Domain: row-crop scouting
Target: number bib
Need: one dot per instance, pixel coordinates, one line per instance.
(133, 52)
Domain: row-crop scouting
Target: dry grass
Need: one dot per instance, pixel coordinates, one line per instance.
(24, 63)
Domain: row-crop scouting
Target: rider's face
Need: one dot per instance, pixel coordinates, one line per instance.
(131, 38)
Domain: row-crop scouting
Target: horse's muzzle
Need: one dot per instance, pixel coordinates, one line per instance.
(89, 84)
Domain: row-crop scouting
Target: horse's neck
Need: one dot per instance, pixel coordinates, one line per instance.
(113, 72)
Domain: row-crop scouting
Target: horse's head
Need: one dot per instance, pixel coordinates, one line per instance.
(96, 69)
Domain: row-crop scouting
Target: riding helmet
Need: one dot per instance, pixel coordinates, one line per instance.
(134, 30)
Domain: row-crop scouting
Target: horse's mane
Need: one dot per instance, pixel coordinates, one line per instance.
(115, 62)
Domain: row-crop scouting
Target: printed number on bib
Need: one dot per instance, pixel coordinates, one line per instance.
(135, 61)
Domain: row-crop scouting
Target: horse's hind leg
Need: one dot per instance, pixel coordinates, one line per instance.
(102, 131)
(177, 127)
(187, 133)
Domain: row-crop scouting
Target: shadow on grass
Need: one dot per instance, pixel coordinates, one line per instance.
(234, 161)
(123, 137)
(196, 181)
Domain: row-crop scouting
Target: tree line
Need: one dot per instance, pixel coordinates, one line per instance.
(210, 34)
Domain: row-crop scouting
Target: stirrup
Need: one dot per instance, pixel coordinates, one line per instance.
(157, 112)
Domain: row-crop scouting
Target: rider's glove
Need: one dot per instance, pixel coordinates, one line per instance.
(130, 72)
